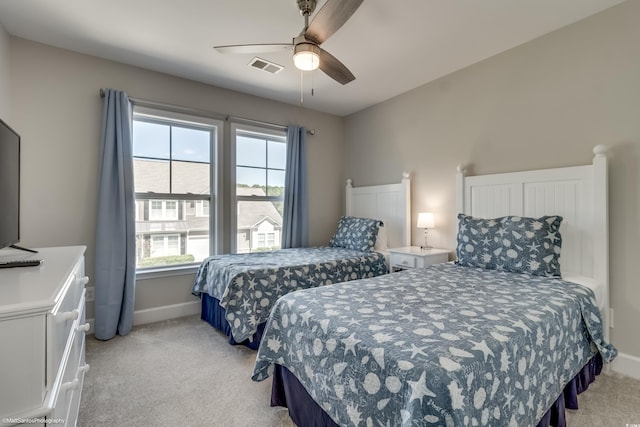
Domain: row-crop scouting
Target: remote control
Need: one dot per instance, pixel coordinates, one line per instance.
(20, 263)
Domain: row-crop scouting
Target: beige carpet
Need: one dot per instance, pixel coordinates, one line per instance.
(183, 373)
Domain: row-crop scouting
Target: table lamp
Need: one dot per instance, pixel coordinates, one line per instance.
(426, 221)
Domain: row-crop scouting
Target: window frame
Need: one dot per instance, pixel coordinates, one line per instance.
(216, 169)
(236, 128)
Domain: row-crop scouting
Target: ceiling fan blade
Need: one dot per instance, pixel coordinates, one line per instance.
(334, 68)
(254, 48)
(330, 18)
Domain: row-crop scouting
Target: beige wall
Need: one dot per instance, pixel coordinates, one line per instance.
(57, 111)
(544, 104)
(541, 105)
(5, 77)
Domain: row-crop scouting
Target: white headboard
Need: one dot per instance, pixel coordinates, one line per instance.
(390, 203)
(577, 193)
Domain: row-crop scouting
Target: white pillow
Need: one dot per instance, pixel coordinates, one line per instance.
(381, 239)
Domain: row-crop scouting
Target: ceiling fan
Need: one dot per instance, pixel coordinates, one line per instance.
(307, 53)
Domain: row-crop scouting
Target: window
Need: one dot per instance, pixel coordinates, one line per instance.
(163, 210)
(202, 208)
(174, 174)
(260, 158)
(165, 245)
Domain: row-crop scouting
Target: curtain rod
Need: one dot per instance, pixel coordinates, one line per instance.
(177, 108)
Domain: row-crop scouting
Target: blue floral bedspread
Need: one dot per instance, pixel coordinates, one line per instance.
(248, 285)
(444, 345)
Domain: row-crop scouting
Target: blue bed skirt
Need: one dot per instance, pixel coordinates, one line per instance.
(213, 314)
(287, 391)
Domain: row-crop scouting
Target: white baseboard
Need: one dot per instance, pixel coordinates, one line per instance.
(627, 364)
(157, 314)
(166, 312)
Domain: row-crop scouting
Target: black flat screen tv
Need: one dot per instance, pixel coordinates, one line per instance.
(9, 186)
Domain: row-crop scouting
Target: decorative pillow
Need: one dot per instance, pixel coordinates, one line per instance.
(511, 243)
(356, 233)
(381, 239)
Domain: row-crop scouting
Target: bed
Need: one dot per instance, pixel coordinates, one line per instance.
(465, 343)
(237, 291)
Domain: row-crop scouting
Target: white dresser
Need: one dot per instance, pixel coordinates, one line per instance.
(42, 334)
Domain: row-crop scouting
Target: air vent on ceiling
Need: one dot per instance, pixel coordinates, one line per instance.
(266, 66)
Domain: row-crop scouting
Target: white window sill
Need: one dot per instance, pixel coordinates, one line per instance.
(168, 271)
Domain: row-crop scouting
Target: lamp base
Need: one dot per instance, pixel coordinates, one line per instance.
(426, 245)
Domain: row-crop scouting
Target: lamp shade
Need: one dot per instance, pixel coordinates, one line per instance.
(306, 56)
(426, 220)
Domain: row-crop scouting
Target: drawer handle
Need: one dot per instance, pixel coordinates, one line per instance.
(84, 327)
(71, 385)
(69, 315)
(83, 280)
(75, 383)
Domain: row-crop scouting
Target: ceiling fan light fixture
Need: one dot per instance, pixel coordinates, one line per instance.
(306, 56)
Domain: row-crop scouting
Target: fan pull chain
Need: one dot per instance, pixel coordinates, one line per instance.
(301, 88)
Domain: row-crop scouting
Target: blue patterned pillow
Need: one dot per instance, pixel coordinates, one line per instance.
(356, 233)
(511, 243)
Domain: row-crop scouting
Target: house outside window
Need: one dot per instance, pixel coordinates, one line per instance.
(175, 169)
(260, 158)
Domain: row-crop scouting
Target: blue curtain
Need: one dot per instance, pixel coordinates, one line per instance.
(115, 271)
(295, 227)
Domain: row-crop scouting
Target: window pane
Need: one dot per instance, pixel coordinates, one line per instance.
(202, 208)
(169, 233)
(156, 210)
(191, 147)
(150, 140)
(190, 177)
(255, 221)
(251, 151)
(276, 183)
(248, 177)
(171, 210)
(277, 155)
(157, 246)
(151, 175)
(190, 144)
(173, 245)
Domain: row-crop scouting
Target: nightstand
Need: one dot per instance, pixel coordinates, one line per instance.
(414, 257)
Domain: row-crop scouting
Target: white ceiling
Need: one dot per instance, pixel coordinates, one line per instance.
(390, 46)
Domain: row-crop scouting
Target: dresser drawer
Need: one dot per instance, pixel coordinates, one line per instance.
(63, 318)
(400, 260)
(68, 385)
(73, 397)
(22, 367)
(67, 395)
